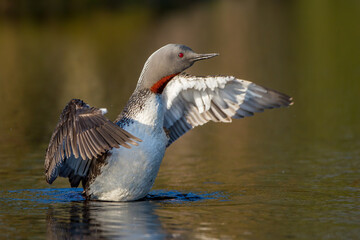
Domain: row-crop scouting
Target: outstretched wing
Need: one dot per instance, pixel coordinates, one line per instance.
(80, 137)
(192, 101)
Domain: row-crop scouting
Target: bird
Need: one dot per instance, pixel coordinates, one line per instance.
(119, 160)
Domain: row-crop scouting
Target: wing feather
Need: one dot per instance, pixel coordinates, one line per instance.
(81, 136)
(192, 101)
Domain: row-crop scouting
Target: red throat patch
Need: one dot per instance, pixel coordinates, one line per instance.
(159, 86)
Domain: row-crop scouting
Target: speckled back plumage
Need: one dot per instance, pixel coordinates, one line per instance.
(132, 107)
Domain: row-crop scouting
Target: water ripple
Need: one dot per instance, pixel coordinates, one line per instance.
(62, 195)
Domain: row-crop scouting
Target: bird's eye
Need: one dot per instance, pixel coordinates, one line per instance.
(180, 55)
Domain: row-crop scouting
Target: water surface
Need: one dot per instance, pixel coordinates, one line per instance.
(284, 174)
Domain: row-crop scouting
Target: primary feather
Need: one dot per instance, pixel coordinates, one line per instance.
(80, 137)
(192, 101)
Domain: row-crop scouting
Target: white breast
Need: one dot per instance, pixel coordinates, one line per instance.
(130, 173)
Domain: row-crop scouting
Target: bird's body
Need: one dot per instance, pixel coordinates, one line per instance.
(86, 147)
(130, 173)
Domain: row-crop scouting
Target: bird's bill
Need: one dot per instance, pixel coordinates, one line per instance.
(197, 56)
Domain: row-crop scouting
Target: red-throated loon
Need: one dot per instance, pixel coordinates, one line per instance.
(87, 147)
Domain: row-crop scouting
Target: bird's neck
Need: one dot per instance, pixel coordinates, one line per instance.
(144, 107)
(159, 86)
(154, 79)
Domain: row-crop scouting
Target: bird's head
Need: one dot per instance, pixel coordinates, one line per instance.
(166, 63)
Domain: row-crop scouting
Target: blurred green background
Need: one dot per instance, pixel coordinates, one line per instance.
(52, 51)
(296, 159)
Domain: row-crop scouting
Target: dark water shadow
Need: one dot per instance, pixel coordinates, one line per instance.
(70, 216)
(62, 195)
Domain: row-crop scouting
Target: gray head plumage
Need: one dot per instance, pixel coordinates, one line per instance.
(169, 60)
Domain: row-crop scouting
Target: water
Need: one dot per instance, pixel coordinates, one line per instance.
(284, 174)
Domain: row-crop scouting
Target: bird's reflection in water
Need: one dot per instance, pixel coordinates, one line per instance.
(99, 220)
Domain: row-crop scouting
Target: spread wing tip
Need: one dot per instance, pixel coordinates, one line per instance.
(291, 101)
(49, 179)
(132, 137)
(279, 98)
(51, 171)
